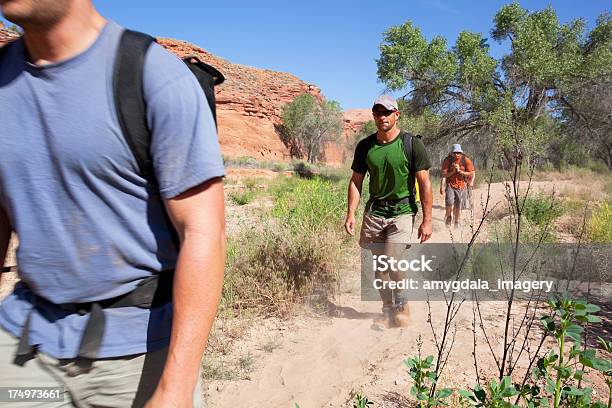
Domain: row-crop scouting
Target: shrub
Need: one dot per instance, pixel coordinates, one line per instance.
(600, 224)
(242, 197)
(294, 253)
(505, 232)
(541, 209)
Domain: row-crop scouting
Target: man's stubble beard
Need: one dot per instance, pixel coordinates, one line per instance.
(40, 13)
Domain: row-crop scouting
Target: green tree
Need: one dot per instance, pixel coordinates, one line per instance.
(471, 91)
(308, 124)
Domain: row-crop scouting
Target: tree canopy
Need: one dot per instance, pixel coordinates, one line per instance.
(545, 73)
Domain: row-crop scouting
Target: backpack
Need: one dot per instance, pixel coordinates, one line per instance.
(407, 139)
(129, 97)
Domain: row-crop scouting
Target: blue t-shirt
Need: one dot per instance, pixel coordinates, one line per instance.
(88, 225)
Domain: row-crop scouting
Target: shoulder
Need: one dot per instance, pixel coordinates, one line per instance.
(418, 146)
(366, 143)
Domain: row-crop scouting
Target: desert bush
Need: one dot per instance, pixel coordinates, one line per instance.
(278, 167)
(295, 253)
(242, 197)
(529, 233)
(600, 224)
(541, 209)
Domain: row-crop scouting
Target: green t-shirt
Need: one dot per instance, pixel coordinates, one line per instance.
(389, 172)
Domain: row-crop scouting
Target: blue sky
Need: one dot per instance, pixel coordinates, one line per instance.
(332, 44)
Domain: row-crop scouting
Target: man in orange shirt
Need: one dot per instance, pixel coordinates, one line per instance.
(458, 171)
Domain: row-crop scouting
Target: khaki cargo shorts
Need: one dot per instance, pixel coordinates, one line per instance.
(378, 230)
(457, 197)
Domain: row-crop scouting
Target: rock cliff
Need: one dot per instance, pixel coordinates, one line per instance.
(249, 105)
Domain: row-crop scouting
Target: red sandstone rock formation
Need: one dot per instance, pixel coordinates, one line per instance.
(249, 105)
(6, 35)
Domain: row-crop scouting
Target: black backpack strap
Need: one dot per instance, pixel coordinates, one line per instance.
(4, 48)
(208, 76)
(130, 104)
(407, 139)
(129, 97)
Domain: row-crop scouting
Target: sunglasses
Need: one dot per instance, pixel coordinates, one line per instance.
(382, 112)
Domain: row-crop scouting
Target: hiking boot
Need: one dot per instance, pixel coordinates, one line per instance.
(402, 315)
(387, 318)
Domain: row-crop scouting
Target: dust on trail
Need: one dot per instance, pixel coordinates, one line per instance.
(323, 361)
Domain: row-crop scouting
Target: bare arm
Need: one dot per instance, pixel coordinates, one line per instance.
(199, 218)
(469, 176)
(354, 193)
(447, 169)
(425, 230)
(5, 237)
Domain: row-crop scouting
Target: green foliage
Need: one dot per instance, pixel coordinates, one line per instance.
(529, 233)
(494, 395)
(507, 20)
(293, 252)
(599, 225)
(541, 209)
(361, 401)
(242, 197)
(305, 206)
(308, 124)
(555, 380)
(424, 381)
(552, 70)
(557, 370)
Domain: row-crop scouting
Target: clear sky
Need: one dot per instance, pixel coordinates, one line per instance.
(332, 44)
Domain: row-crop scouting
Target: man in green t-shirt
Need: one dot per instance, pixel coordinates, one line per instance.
(391, 207)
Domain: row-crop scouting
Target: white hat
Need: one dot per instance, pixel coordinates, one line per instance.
(457, 148)
(387, 101)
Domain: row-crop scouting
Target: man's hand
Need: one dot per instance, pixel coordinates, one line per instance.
(425, 231)
(354, 192)
(349, 224)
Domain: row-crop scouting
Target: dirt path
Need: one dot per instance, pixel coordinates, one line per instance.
(324, 361)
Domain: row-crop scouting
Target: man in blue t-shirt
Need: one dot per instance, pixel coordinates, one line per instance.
(90, 226)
